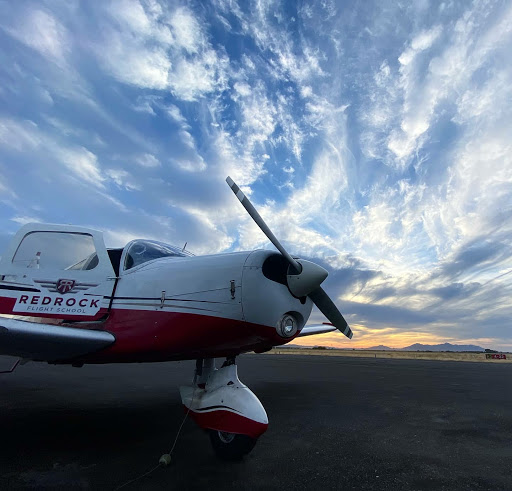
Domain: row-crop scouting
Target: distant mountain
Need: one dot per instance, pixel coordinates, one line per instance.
(429, 347)
(442, 347)
(413, 347)
(381, 347)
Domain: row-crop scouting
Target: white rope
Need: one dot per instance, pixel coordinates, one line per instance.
(165, 459)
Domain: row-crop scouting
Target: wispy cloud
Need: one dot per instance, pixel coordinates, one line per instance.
(147, 160)
(41, 31)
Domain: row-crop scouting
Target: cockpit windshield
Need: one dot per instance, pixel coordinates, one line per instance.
(142, 251)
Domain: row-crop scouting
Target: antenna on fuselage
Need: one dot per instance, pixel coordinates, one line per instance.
(183, 250)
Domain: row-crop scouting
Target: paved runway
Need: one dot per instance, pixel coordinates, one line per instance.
(335, 423)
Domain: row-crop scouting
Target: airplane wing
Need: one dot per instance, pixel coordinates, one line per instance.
(47, 342)
(316, 329)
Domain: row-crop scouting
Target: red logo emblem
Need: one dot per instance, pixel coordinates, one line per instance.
(65, 286)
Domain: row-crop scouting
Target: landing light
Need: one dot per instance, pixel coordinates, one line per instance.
(287, 326)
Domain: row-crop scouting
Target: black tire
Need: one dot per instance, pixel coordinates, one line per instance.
(231, 446)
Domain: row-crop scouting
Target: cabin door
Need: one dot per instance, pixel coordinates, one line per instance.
(56, 271)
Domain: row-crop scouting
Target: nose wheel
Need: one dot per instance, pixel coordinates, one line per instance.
(219, 403)
(231, 446)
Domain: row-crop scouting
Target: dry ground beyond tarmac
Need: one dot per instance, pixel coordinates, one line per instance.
(335, 423)
(396, 354)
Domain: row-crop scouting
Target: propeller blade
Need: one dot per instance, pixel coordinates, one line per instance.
(306, 278)
(327, 307)
(263, 226)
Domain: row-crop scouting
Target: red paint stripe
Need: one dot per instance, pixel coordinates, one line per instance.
(222, 420)
(156, 335)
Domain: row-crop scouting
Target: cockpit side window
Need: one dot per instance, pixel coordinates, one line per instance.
(142, 251)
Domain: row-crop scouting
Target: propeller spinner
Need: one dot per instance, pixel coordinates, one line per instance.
(304, 277)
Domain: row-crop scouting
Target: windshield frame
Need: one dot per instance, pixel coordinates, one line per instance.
(178, 253)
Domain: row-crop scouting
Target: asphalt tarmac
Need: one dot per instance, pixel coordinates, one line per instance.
(335, 423)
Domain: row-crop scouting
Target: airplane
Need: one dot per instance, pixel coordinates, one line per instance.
(67, 299)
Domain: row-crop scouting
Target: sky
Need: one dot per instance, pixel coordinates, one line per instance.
(374, 137)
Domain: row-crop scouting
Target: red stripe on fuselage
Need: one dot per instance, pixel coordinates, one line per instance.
(149, 335)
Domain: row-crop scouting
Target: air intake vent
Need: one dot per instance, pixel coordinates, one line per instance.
(275, 269)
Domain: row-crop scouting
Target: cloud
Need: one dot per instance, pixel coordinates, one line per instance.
(475, 254)
(420, 42)
(190, 165)
(144, 67)
(147, 160)
(187, 31)
(152, 48)
(19, 135)
(81, 162)
(455, 290)
(41, 31)
(123, 179)
(175, 114)
(26, 136)
(387, 315)
(23, 220)
(191, 79)
(5, 188)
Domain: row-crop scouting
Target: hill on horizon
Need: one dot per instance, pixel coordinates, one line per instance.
(381, 347)
(431, 347)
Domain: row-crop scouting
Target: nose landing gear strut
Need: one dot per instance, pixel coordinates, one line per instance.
(225, 407)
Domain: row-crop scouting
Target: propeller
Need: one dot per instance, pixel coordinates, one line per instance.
(304, 277)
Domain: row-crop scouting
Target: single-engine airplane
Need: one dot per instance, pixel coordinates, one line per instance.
(67, 299)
